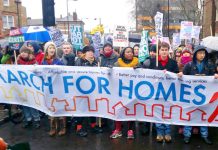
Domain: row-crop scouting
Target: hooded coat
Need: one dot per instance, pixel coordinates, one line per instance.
(192, 69)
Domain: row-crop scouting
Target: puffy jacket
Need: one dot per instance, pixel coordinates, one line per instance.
(191, 67)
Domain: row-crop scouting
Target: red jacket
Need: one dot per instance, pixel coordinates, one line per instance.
(39, 57)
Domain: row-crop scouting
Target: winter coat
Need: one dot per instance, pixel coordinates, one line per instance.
(108, 61)
(21, 61)
(39, 57)
(170, 66)
(55, 61)
(84, 62)
(191, 67)
(6, 59)
(68, 60)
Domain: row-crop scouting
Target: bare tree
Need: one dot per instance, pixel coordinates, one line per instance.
(178, 11)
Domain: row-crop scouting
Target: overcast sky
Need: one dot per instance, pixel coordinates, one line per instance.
(111, 12)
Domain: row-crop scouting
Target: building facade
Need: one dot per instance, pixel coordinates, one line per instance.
(62, 23)
(174, 10)
(12, 14)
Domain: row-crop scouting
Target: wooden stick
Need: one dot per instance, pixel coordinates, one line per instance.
(15, 57)
(99, 119)
(157, 52)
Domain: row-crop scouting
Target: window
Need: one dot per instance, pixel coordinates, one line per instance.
(6, 2)
(8, 22)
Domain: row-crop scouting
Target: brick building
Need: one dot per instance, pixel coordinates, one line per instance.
(10, 12)
(61, 23)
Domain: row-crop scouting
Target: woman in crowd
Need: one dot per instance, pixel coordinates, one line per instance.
(50, 58)
(126, 59)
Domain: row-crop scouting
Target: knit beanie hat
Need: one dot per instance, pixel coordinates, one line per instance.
(48, 44)
(187, 50)
(25, 49)
(153, 48)
(107, 44)
(88, 48)
(35, 46)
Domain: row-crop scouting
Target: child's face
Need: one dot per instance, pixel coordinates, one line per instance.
(30, 47)
(79, 53)
(24, 55)
(51, 50)
(152, 54)
(67, 49)
(186, 54)
(200, 55)
(3, 51)
(136, 50)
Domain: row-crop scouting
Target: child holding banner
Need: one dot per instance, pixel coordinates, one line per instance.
(126, 59)
(26, 57)
(87, 59)
(50, 58)
(167, 64)
(200, 67)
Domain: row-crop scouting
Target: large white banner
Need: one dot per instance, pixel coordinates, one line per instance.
(120, 36)
(118, 93)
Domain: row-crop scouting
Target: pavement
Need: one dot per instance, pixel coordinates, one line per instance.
(39, 139)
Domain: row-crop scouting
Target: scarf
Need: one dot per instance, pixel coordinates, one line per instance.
(163, 62)
(185, 59)
(22, 61)
(132, 63)
(49, 60)
(90, 60)
(108, 54)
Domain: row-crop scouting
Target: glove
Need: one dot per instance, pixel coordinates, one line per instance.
(136, 67)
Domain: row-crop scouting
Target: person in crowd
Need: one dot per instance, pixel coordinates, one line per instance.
(167, 64)
(26, 57)
(126, 59)
(152, 55)
(178, 53)
(87, 59)
(6, 55)
(152, 51)
(68, 57)
(38, 53)
(136, 50)
(186, 57)
(50, 58)
(198, 66)
(108, 57)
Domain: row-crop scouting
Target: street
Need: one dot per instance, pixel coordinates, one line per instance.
(39, 140)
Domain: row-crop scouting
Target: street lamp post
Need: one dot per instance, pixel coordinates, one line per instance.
(18, 13)
(68, 24)
(168, 14)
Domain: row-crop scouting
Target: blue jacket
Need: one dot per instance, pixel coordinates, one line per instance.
(55, 61)
(192, 69)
